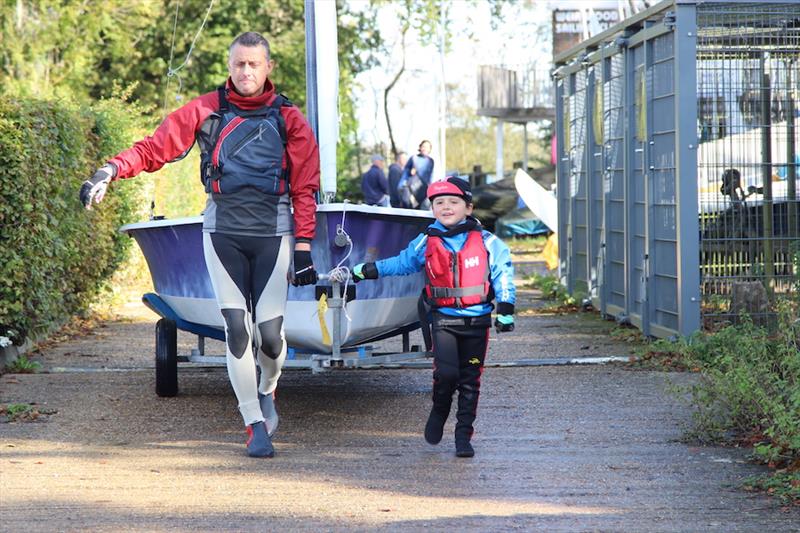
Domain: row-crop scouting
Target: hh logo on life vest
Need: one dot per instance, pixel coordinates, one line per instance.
(470, 262)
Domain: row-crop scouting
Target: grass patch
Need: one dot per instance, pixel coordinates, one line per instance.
(552, 289)
(23, 365)
(527, 245)
(23, 412)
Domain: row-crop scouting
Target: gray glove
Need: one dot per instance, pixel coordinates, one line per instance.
(94, 189)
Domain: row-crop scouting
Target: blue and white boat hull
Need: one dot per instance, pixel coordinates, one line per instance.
(382, 308)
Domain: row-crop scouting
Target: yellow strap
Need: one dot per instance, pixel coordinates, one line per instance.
(322, 309)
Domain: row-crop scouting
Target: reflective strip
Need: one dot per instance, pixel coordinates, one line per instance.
(227, 130)
(450, 292)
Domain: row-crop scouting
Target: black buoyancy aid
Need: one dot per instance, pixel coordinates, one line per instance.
(244, 148)
(457, 279)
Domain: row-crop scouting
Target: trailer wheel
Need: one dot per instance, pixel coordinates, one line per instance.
(166, 358)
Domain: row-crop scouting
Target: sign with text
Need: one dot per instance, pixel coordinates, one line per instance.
(571, 26)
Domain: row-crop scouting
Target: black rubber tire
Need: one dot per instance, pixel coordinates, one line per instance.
(166, 358)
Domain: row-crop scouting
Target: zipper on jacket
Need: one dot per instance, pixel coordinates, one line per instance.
(252, 136)
(454, 266)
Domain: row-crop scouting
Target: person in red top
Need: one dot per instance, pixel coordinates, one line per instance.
(260, 168)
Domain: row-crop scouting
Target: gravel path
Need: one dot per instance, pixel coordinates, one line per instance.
(567, 448)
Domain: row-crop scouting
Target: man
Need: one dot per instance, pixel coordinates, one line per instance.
(260, 167)
(416, 177)
(395, 173)
(374, 184)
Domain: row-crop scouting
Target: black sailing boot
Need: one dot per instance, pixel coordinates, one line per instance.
(467, 407)
(439, 412)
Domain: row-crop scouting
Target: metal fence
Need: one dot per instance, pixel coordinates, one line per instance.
(677, 163)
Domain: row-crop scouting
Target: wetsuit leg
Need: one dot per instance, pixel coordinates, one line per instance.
(228, 263)
(271, 286)
(472, 345)
(445, 379)
(445, 367)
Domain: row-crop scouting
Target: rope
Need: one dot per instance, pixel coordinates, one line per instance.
(342, 273)
(174, 72)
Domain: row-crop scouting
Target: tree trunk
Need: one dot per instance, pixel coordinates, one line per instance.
(391, 85)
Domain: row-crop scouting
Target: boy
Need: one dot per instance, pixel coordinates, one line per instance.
(466, 268)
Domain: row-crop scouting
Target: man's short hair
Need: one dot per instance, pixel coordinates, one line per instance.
(399, 155)
(250, 38)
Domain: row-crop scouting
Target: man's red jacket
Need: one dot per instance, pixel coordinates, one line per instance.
(177, 133)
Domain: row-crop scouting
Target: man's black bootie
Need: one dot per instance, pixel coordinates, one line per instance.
(463, 447)
(435, 427)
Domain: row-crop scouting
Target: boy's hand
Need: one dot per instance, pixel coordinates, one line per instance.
(364, 271)
(505, 317)
(504, 323)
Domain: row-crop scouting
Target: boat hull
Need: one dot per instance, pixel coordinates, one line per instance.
(173, 250)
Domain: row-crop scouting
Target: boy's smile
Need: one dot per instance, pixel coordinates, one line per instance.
(450, 210)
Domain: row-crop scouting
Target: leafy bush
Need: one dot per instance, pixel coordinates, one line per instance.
(749, 387)
(55, 254)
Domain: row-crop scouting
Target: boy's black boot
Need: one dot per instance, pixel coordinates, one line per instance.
(467, 408)
(463, 447)
(434, 428)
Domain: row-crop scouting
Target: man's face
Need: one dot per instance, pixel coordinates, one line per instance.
(425, 148)
(402, 160)
(249, 67)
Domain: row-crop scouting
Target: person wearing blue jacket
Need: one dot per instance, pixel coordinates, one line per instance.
(466, 268)
(415, 179)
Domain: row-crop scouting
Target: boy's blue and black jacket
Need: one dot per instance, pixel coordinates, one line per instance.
(501, 271)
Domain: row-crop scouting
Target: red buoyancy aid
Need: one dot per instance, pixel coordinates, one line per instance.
(457, 279)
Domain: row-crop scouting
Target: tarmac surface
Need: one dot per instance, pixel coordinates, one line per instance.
(558, 448)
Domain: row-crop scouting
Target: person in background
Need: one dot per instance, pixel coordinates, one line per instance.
(395, 173)
(260, 167)
(466, 267)
(416, 178)
(374, 184)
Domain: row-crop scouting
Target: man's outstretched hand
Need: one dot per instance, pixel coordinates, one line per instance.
(94, 189)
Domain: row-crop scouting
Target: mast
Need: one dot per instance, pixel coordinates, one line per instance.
(322, 87)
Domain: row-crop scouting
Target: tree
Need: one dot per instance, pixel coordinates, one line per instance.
(88, 49)
(424, 21)
(51, 47)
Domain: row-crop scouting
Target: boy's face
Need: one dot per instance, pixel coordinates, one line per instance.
(450, 210)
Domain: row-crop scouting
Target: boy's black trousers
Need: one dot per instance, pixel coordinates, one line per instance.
(459, 349)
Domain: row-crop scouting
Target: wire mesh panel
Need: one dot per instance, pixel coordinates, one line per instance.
(678, 169)
(662, 177)
(748, 70)
(578, 231)
(637, 176)
(596, 133)
(613, 253)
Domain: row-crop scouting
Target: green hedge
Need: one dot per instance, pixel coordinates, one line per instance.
(54, 255)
